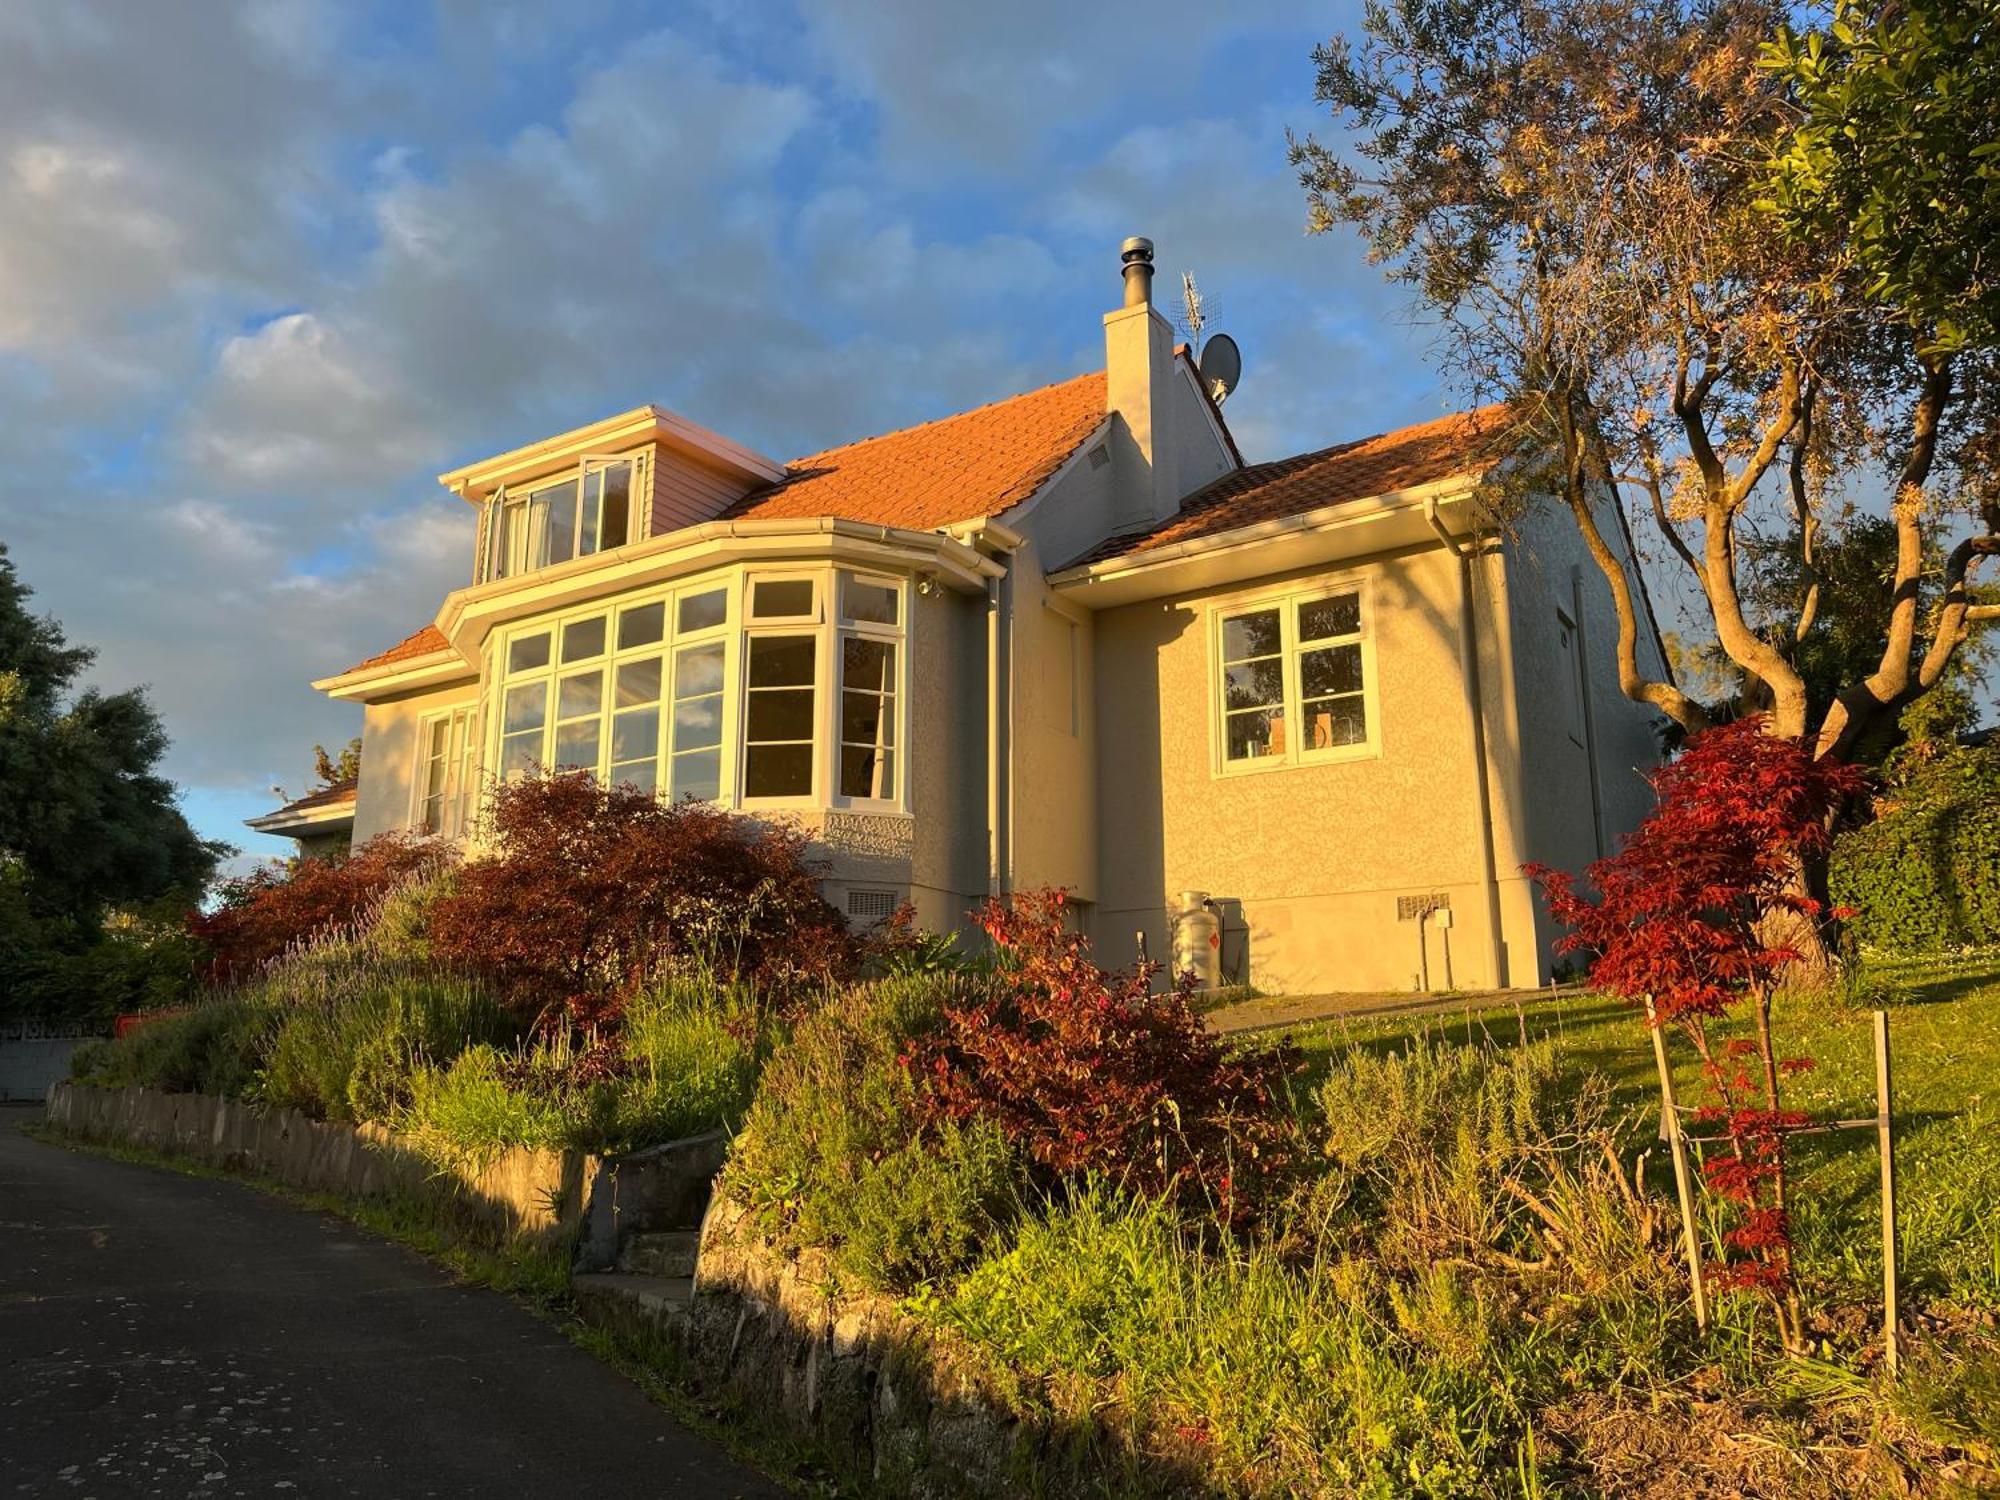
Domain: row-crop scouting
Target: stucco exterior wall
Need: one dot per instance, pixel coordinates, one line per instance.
(1580, 735)
(389, 752)
(1308, 860)
(1053, 738)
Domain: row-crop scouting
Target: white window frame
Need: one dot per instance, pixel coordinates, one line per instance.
(492, 531)
(897, 636)
(824, 623)
(1286, 600)
(667, 648)
(463, 777)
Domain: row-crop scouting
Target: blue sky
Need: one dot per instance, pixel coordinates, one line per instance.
(266, 268)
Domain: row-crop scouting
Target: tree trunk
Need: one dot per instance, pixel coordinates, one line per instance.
(1808, 936)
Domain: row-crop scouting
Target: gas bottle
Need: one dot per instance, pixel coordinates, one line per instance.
(1198, 940)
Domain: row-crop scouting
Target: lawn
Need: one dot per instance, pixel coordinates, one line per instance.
(1944, 1027)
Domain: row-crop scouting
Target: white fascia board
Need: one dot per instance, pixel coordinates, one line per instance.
(330, 818)
(1346, 528)
(469, 612)
(644, 423)
(433, 669)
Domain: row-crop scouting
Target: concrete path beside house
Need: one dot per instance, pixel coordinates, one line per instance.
(179, 1336)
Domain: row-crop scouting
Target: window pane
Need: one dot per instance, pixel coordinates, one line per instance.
(1256, 734)
(635, 734)
(1329, 670)
(778, 771)
(642, 774)
(874, 602)
(520, 752)
(698, 722)
(698, 670)
(639, 682)
(1332, 722)
(582, 693)
(782, 661)
(641, 626)
(528, 652)
(867, 719)
(576, 745)
(583, 639)
(697, 775)
(1340, 615)
(559, 521)
(867, 772)
(527, 707)
(782, 715)
(1251, 635)
(1254, 684)
(868, 664)
(782, 598)
(514, 539)
(701, 611)
(614, 527)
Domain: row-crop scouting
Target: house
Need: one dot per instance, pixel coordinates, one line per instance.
(1070, 638)
(322, 821)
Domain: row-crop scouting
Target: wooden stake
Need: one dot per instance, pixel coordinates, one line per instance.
(1886, 1143)
(1670, 1119)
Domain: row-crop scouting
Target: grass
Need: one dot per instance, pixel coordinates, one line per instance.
(1944, 1028)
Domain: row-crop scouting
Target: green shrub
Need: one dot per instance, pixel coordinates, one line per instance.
(692, 1054)
(833, 1153)
(352, 1035)
(469, 1111)
(215, 1048)
(1924, 876)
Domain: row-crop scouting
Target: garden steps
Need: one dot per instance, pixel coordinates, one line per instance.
(669, 1253)
(625, 1302)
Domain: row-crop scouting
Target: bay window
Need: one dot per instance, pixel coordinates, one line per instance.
(552, 521)
(761, 688)
(1294, 679)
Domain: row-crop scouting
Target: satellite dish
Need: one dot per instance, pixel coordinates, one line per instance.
(1221, 366)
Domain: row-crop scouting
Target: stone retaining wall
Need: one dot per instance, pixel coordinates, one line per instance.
(538, 1195)
(883, 1395)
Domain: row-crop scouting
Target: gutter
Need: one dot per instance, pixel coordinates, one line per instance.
(1482, 776)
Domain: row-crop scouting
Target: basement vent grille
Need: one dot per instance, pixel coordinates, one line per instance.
(871, 906)
(1410, 908)
(1099, 457)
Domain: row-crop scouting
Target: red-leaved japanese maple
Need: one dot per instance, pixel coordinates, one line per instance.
(586, 893)
(1092, 1074)
(277, 907)
(1683, 919)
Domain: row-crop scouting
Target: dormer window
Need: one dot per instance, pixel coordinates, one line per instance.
(548, 521)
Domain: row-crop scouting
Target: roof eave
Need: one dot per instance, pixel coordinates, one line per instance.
(1154, 571)
(641, 424)
(331, 818)
(432, 669)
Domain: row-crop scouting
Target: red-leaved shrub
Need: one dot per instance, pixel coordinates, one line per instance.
(261, 915)
(587, 893)
(1091, 1074)
(1682, 919)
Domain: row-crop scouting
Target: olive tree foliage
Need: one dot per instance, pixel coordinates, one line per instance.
(1687, 243)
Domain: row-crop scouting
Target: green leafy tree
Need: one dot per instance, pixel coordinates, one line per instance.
(87, 825)
(333, 770)
(1692, 251)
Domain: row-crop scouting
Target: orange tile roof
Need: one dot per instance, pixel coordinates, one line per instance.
(419, 643)
(1463, 443)
(964, 467)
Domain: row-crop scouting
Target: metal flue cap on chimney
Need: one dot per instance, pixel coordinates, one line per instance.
(1137, 255)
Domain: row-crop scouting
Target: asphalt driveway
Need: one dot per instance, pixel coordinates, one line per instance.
(176, 1336)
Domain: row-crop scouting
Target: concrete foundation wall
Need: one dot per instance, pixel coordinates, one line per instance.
(537, 1195)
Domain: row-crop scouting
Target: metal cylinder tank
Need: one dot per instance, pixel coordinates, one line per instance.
(1197, 940)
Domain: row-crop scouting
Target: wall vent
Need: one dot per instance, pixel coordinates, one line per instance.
(871, 906)
(1099, 456)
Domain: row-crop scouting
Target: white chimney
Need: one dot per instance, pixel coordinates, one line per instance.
(1138, 395)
